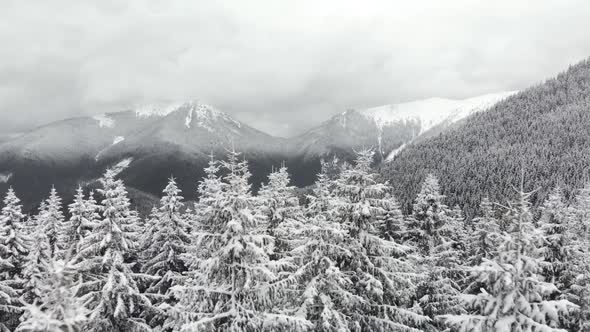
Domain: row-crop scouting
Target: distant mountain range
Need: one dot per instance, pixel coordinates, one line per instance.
(151, 143)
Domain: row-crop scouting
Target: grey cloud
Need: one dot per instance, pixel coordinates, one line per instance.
(279, 66)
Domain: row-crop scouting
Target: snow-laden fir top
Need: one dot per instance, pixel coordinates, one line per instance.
(433, 111)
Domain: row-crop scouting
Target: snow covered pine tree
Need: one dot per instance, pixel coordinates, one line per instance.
(109, 286)
(57, 309)
(514, 297)
(230, 273)
(13, 244)
(166, 240)
(433, 230)
(353, 279)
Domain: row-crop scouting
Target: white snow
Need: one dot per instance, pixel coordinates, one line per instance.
(104, 121)
(433, 111)
(395, 152)
(429, 113)
(198, 114)
(189, 118)
(206, 116)
(157, 109)
(118, 139)
(122, 165)
(5, 177)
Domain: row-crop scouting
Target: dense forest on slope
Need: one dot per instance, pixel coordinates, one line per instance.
(543, 130)
(345, 259)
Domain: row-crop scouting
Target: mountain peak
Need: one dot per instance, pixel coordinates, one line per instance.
(164, 108)
(205, 116)
(157, 109)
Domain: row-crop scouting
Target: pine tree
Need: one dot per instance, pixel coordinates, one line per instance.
(53, 223)
(209, 191)
(167, 241)
(559, 245)
(322, 199)
(434, 229)
(148, 233)
(577, 271)
(13, 244)
(58, 308)
(281, 207)
(579, 291)
(393, 223)
(485, 231)
(354, 279)
(580, 211)
(109, 287)
(514, 296)
(456, 229)
(230, 273)
(30, 226)
(36, 265)
(92, 214)
(78, 225)
(428, 216)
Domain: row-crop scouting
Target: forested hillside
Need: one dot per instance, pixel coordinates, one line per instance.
(346, 260)
(543, 130)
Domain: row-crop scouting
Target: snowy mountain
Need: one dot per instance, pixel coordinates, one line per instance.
(148, 144)
(389, 128)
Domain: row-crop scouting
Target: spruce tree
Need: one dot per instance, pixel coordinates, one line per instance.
(354, 279)
(230, 274)
(209, 191)
(514, 296)
(110, 287)
(322, 199)
(78, 225)
(280, 206)
(393, 224)
(579, 291)
(53, 222)
(92, 214)
(13, 244)
(559, 245)
(434, 229)
(167, 241)
(36, 265)
(577, 231)
(57, 308)
(484, 232)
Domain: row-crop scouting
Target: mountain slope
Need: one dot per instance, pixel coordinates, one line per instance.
(543, 130)
(179, 145)
(388, 128)
(150, 143)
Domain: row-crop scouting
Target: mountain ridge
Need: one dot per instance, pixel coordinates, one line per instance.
(176, 139)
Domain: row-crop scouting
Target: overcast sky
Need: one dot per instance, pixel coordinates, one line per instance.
(280, 66)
